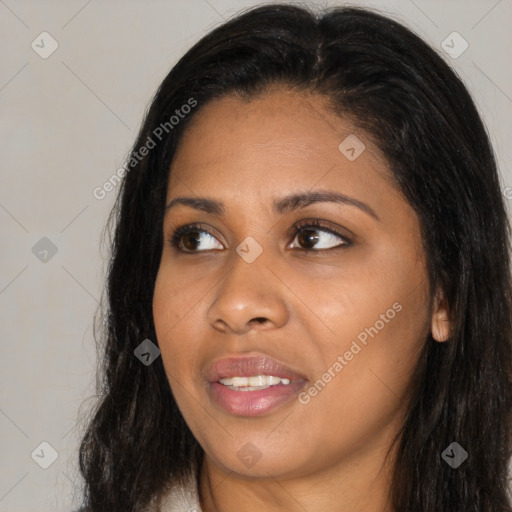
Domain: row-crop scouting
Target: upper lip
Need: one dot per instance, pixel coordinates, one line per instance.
(244, 366)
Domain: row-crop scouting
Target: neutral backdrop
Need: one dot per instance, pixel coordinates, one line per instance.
(67, 123)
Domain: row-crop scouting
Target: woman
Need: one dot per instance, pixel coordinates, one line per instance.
(309, 297)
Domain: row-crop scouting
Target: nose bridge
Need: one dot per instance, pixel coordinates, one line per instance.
(247, 292)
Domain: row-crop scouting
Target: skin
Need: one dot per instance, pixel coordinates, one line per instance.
(329, 454)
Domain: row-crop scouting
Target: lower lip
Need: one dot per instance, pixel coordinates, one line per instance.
(254, 403)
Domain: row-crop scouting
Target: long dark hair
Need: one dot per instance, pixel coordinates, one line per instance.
(409, 102)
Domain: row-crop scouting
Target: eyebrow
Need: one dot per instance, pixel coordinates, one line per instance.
(283, 205)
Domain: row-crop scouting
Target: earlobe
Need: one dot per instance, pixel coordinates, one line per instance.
(441, 324)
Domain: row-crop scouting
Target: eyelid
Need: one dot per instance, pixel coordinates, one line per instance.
(178, 232)
(323, 225)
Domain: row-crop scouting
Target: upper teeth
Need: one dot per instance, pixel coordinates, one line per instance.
(256, 380)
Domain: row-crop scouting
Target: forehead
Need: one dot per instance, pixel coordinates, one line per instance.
(279, 140)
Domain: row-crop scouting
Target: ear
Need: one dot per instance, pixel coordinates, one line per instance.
(441, 324)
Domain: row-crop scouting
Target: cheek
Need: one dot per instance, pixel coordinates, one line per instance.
(177, 298)
(359, 393)
(173, 311)
(165, 305)
(379, 323)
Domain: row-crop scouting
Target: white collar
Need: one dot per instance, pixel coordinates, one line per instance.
(180, 498)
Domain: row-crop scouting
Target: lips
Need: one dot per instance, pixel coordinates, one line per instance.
(253, 402)
(242, 366)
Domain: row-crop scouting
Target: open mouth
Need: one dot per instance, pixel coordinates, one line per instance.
(252, 385)
(247, 400)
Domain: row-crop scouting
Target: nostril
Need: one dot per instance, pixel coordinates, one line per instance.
(260, 320)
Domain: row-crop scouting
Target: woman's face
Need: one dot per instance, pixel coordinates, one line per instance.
(304, 263)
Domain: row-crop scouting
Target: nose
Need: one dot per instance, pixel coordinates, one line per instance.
(249, 297)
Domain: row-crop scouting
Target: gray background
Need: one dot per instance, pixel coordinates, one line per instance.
(67, 123)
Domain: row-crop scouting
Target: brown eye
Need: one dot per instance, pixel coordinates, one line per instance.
(317, 237)
(308, 238)
(191, 240)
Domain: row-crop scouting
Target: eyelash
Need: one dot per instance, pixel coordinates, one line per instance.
(178, 234)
